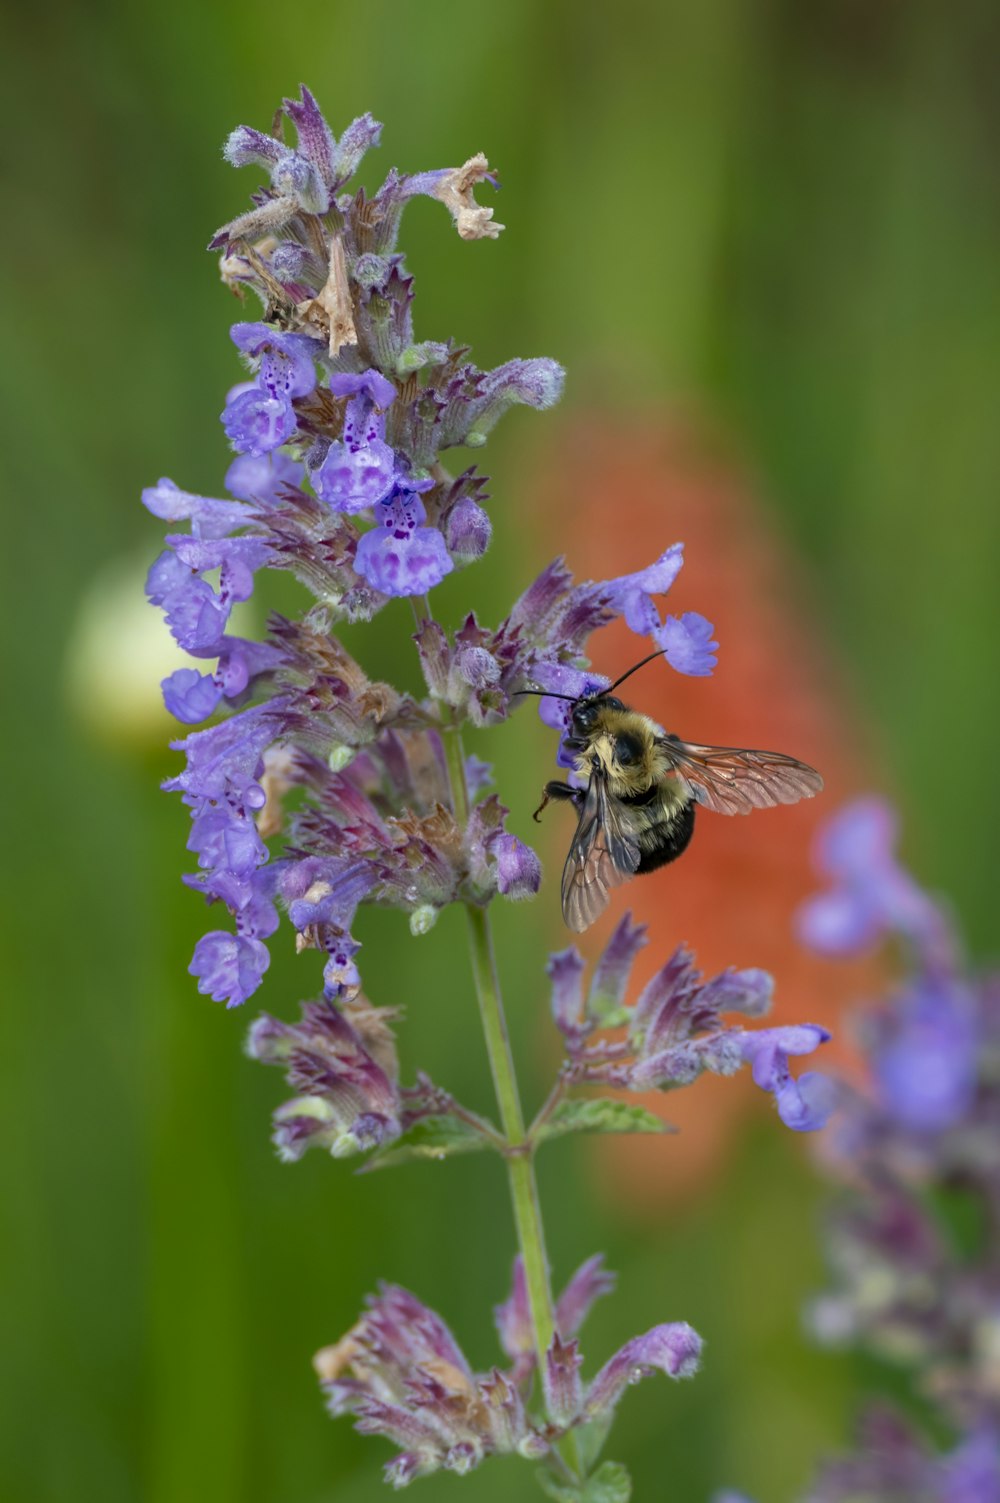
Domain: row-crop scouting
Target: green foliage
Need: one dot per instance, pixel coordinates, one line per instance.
(599, 1114)
(430, 1138)
(611, 1483)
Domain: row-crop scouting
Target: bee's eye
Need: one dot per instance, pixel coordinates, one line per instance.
(628, 750)
(583, 717)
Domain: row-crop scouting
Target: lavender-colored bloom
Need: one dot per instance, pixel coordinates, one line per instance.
(631, 595)
(342, 1064)
(687, 644)
(513, 1318)
(925, 1055)
(589, 1283)
(400, 556)
(285, 362)
(191, 696)
(257, 422)
(209, 518)
(804, 1104)
(561, 1381)
(229, 967)
(674, 1349)
(519, 871)
(360, 470)
(675, 1030)
(468, 530)
(403, 1375)
(258, 478)
(870, 893)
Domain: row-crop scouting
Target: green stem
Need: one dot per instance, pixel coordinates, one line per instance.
(520, 1166)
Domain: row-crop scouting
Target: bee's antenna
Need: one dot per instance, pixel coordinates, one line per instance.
(635, 668)
(545, 694)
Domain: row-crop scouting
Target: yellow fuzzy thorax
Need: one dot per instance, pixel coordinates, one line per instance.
(623, 782)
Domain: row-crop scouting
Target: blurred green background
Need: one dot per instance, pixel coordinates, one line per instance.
(781, 214)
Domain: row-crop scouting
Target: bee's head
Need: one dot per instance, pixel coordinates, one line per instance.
(586, 713)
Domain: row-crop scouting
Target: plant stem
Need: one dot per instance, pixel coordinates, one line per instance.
(520, 1167)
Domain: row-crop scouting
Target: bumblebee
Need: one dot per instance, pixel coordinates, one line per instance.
(636, 812)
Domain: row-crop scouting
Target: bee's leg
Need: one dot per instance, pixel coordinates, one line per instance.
(558, 791)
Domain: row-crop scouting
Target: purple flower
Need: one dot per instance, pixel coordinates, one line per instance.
(258, 478)
(400, 1371)
(468, 530)
(257, 422)
(209, 518)
(229, 967)
(686, 640)
(687, 644)
(674, 1349)
(400, 556)
(285, 362)
(191, 696)
(519, 871)
(359, 471)
(804, 1104)
(561, 1381)
(870, 893)
(631, 595)
(342, 1064)
(925, 1055)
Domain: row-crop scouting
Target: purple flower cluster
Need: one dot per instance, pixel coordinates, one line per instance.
(337, 479)
(674, 1031)
(402, 1374)
(910, 1241)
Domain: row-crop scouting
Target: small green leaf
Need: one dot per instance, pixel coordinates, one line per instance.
(430, 1138)
(599, 1114)
(554, 1487)
(611, 1483)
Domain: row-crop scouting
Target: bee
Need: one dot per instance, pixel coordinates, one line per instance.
(636, 812)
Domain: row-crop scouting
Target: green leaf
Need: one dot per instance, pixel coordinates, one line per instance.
(430, 1138)
(599, 1114)
(611, 1483)
(553, 1487)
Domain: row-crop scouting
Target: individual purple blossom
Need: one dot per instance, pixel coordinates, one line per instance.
(360, 470)
(925, 1054)
(674, 1349)
(685, 640)
(870, 894)
(257, 422)
(519, 871)
(285, 363)
(400, 556)
(229, 967)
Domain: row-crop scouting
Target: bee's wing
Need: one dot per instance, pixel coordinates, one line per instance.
(729, 780)
(603, 855)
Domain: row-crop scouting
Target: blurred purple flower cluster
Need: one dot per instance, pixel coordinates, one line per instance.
(911, 1239)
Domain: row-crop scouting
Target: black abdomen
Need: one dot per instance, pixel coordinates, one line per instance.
(666, 841)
